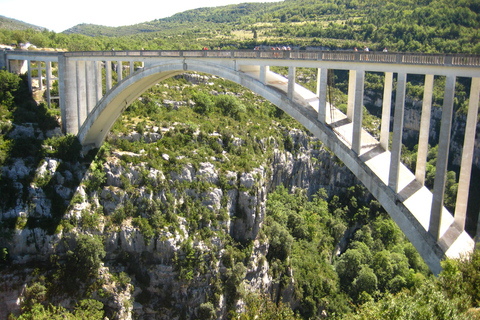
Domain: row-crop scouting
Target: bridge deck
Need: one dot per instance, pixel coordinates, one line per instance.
(417, 198)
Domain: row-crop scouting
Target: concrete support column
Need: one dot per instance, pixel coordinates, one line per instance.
(477, 236)
(40, 75)
(3, 60)
(322, 94)
(69, 104)
(48, 70)
(91, 90)
(358, 112)
(108, 74)
(98, 81)
(352, 83)
(61, 91)
(467, 155)
(132, 67)
(442, 159)
(29, 75)
(394, 172)
(291, 82)
(263, 74)
(386, 110)
(424, 130)
(119, 71)
(81, 92)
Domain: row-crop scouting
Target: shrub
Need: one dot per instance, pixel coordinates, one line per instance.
(85, 260)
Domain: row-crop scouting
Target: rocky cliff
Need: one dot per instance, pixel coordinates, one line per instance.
(159, 287)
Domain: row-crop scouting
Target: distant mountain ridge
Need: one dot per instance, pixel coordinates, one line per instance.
(13, 24)
(229, 14)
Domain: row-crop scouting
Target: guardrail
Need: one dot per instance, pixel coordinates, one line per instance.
(346, 56)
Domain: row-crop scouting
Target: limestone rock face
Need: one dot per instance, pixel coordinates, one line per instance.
(250, 206)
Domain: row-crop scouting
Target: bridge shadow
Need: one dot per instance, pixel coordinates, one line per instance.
(33, 138)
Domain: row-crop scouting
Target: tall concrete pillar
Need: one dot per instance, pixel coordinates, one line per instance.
(467, 155)
(477, 236)
(91, 90)
(394, 172)
(69, 106)
(263, 74)
(81, 92)
(322, 78)
(352, 83)
(29, 75)
(119, 71)
(291, 82)
(48, 71)
(358, 112)
(424, 130)
(3, 60)
(40, 75)
(442, 159)
(98, 81)
(108, 75)
(62, 66)
(132, 67)
(386, 110)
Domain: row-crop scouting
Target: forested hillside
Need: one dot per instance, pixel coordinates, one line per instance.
(439, 26)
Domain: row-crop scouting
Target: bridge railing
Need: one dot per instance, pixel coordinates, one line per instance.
(340, 55)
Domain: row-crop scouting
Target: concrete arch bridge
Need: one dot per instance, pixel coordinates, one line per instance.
(90, 105)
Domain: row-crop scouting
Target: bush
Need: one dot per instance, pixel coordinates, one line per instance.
(85, 260)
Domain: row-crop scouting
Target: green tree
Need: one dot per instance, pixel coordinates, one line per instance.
(86, 258)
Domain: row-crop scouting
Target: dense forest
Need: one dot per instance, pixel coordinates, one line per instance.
(327, 255)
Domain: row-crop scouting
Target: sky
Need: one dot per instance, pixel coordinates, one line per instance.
(59, 15)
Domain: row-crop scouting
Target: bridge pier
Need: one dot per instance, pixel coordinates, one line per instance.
(422, 152)
(351, 93)
(442, 159)
(263, 73)
(386, 110)
(358, 111)
(322, 78)
(467, 155)
(394, 173)
(119, 71)
(108, 75)
(291, 82)
(81, 92)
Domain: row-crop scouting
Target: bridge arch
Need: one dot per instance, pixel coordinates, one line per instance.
(103, 116)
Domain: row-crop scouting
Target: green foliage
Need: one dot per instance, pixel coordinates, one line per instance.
(426, 303)
(88, 309)
(9, 85)
(203, 103)
(425, 26)
(261, 307)
(460, 279)
(66, 148)
(145, 228)
(230, 106)
(207, 311)
(85, 259)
